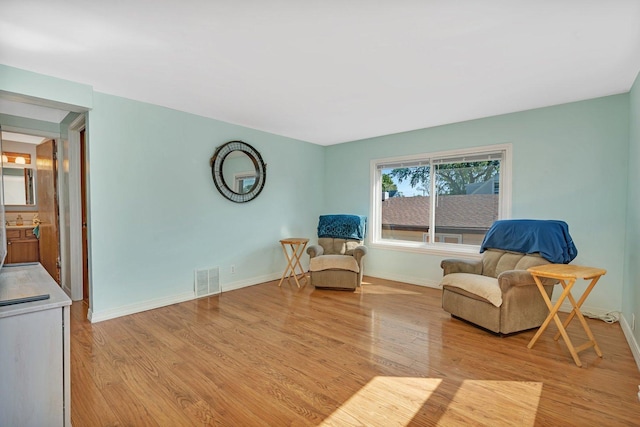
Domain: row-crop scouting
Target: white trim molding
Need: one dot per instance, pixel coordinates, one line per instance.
(126, 310)
(631, 340)
(75, 207)
(95, 317)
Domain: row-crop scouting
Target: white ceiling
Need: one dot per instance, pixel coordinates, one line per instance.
(332, 71)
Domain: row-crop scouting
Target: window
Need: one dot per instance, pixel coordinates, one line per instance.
(442, 201)
(244, 182)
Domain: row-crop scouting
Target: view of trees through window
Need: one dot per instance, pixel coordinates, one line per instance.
(451, 178)
(464, 197)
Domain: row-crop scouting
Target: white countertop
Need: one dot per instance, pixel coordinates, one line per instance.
(23, 280)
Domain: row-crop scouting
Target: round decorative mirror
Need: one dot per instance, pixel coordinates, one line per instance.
(238, 171)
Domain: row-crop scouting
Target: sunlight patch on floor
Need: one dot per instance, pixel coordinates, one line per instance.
(383, 290)
(384, 401)
(395, 401)
(494, 403)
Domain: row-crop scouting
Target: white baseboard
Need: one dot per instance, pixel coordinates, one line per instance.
(420, 281)
(631, 340)
(232, 286)
(112, 313)
(566, 307)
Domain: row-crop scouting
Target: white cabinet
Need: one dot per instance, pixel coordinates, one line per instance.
(34, 350)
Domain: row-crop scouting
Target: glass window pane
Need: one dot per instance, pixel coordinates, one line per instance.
(467, 201)
(405, 203)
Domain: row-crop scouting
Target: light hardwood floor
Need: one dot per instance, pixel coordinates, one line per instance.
(386, 355)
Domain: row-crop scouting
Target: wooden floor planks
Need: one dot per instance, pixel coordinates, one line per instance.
(385, 355)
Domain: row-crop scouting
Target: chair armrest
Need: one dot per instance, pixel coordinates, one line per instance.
(511, 278)
(359, 252)
(315, 250)
(450, 266)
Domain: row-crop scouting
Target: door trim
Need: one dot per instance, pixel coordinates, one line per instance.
(75, 208)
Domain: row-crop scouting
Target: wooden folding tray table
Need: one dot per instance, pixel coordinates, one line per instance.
(296, 249)
(567, 275)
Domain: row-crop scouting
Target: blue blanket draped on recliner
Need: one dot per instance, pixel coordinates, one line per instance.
(550, 238)
(342, 226)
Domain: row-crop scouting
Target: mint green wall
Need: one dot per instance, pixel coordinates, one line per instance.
(631, 294)
(569, 163)
(156, 215)
(27, 84)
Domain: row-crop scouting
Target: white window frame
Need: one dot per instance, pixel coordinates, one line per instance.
(438, 248)
(238, 179)
(440, 237)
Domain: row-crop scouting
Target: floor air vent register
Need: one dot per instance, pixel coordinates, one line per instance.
(207, 282)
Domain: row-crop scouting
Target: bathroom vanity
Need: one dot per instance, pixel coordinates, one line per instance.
(35, 387)
(22, 245)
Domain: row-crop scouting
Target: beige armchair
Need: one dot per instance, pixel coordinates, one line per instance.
(496, 292)
(337, 261)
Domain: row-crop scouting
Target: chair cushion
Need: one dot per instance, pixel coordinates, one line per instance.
(495, 261)
(335, 246)
(485, 287)
(334, 262)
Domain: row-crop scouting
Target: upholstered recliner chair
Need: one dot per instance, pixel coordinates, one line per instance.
(337, 261)
(497, 293)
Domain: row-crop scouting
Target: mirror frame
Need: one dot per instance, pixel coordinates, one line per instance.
(217, 163)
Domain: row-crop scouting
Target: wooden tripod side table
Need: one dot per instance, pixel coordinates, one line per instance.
(296, 247)
(567, 275)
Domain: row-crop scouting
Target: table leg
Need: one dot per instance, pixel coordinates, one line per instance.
(553, 314)
(552, 311)
(579, 304)
(298, 254)
(293, 261)
(567, 341)
(592, 341)
(289, 267)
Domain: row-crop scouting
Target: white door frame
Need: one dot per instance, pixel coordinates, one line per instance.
(75, 206)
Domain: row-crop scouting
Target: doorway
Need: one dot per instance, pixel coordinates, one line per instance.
(52, 120)
(78, 212)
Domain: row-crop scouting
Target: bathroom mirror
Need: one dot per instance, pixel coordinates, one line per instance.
(19, 186)
(238, 171)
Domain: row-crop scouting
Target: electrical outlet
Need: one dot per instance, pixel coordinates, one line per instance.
(233, 269)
